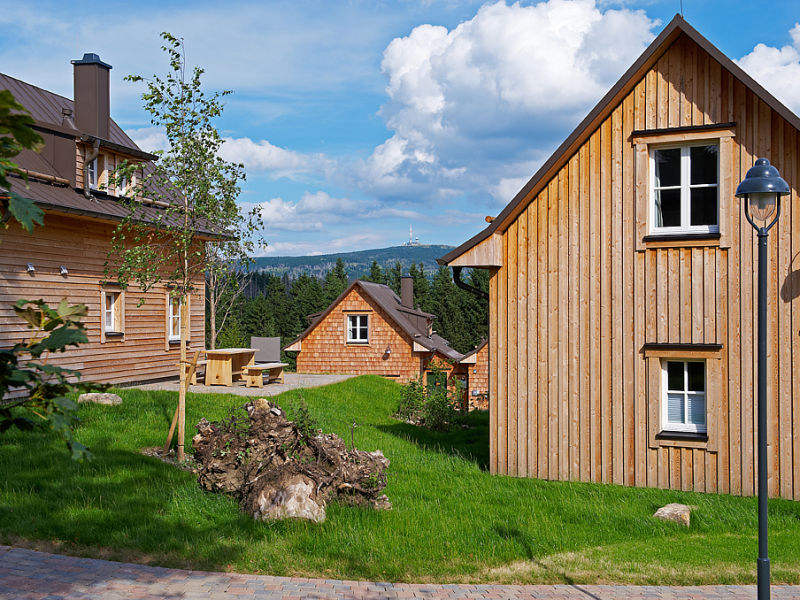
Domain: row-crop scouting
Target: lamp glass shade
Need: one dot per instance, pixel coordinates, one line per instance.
(762, 205)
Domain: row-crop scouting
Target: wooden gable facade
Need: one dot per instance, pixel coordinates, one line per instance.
(395, 340)
(64, 258)
(586, 304)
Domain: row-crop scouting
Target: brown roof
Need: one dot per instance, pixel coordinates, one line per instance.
(407, 319)
(582, 132)
(45, 107)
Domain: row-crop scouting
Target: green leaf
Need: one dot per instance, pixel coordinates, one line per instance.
(64, 336)
(25, 211)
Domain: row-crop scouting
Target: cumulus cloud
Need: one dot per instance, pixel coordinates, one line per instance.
(777, 69)
(312, 248)
(262, 156)
(313, 212)
(483, 102)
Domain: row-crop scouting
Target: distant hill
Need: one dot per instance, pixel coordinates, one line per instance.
(357, 263)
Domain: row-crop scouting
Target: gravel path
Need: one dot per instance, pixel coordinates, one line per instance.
(291, 381)
(32, 575)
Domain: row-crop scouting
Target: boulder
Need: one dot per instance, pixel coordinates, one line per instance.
(678, 513)
(100, 398)
(276, 470)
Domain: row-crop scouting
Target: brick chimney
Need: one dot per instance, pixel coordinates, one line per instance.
(91, 95)
(407, 291)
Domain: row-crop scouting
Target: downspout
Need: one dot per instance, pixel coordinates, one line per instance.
(89, 158)
(465, 286)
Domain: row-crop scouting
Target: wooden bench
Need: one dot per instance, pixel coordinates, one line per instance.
(254, 374)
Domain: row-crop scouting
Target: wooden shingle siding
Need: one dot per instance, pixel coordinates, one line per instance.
(579, 295)
(82, 246)
(325, 349)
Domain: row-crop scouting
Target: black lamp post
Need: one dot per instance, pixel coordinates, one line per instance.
(761, 190)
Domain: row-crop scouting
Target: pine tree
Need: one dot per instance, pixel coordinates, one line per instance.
(335, 282)
(393, 276)
(376, 274)
(422, 298)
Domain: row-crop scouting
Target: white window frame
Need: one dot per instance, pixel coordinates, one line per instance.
(685, 427)
(91, 172)
(685, 188)
(173, 319)
(358, 327)
(111, 315)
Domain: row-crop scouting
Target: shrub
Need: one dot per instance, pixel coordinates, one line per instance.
(437, 405)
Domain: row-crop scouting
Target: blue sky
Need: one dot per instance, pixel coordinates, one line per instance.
(356, 120)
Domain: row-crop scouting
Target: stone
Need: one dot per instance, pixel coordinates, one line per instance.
(293, 498)
(678, 513)
(98, 398)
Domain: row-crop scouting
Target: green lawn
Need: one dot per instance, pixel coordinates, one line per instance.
(451, 522)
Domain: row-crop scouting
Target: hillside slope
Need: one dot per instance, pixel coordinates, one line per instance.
(357, 263)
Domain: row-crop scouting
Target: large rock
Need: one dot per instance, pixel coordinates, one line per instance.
(678, 513)
(278, 471)
(293, 497)
(98, 398)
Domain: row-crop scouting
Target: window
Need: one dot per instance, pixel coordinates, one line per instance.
(174, 319)
(357, 329)
(122, 186)
(685, 189)
(684, 397)
(112, 313)
(92, 172)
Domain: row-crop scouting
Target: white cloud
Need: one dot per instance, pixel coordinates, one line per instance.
(484, 102)
(148, 139)
(312, 248)
(313, 212)
(262, 156)
(777, 69)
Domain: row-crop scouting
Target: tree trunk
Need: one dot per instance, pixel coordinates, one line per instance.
(212, 309)
(183, 381)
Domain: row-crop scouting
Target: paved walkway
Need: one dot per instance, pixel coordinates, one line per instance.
(32, 575)
(291, 381)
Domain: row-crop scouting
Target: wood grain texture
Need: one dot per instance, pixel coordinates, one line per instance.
(592, 294)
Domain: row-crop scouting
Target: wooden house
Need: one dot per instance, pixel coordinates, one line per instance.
(475, 365)
(368, 329)
(622, 303)
(69, 180)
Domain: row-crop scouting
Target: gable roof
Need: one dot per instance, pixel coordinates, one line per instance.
(405, 318)
(55, 193)
(602, 110)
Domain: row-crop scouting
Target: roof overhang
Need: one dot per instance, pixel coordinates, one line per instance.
(593, 120)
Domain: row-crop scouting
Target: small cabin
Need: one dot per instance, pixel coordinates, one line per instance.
(371, 330)
(69, 180)
(622, 290)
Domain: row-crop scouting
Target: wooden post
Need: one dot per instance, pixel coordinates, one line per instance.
(182, 371)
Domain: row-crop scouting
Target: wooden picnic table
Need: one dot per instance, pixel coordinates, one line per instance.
(226, 365)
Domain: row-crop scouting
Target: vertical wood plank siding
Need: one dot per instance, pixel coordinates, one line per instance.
(82, 245)
(578, 297)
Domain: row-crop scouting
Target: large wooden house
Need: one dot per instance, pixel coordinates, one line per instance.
(368, 329)
(622, 304)
(69, 180)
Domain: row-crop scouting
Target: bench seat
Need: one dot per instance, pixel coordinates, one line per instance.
(254, 374)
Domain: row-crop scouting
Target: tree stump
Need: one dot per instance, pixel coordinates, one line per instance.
(275, 471)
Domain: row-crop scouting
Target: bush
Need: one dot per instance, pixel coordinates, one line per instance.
(437, 406)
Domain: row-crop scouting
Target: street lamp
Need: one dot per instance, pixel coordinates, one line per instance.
(761, 191)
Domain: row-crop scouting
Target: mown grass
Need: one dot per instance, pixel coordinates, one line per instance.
(452, 521)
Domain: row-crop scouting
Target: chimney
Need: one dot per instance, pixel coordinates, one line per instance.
(91, 95)
(407, 291)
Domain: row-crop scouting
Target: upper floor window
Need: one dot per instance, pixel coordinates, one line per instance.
(92, 172)
(685, 189)
(357, 329)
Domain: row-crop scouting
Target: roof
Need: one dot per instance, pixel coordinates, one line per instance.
(405, 318)
(477, 349)
(46, 109)
(583, 131)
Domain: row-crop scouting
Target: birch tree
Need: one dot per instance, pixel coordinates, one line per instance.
(181, 201)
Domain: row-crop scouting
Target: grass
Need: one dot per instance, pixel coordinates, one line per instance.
(452, 521)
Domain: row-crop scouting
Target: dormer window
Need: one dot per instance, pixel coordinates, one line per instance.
(92, 173)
